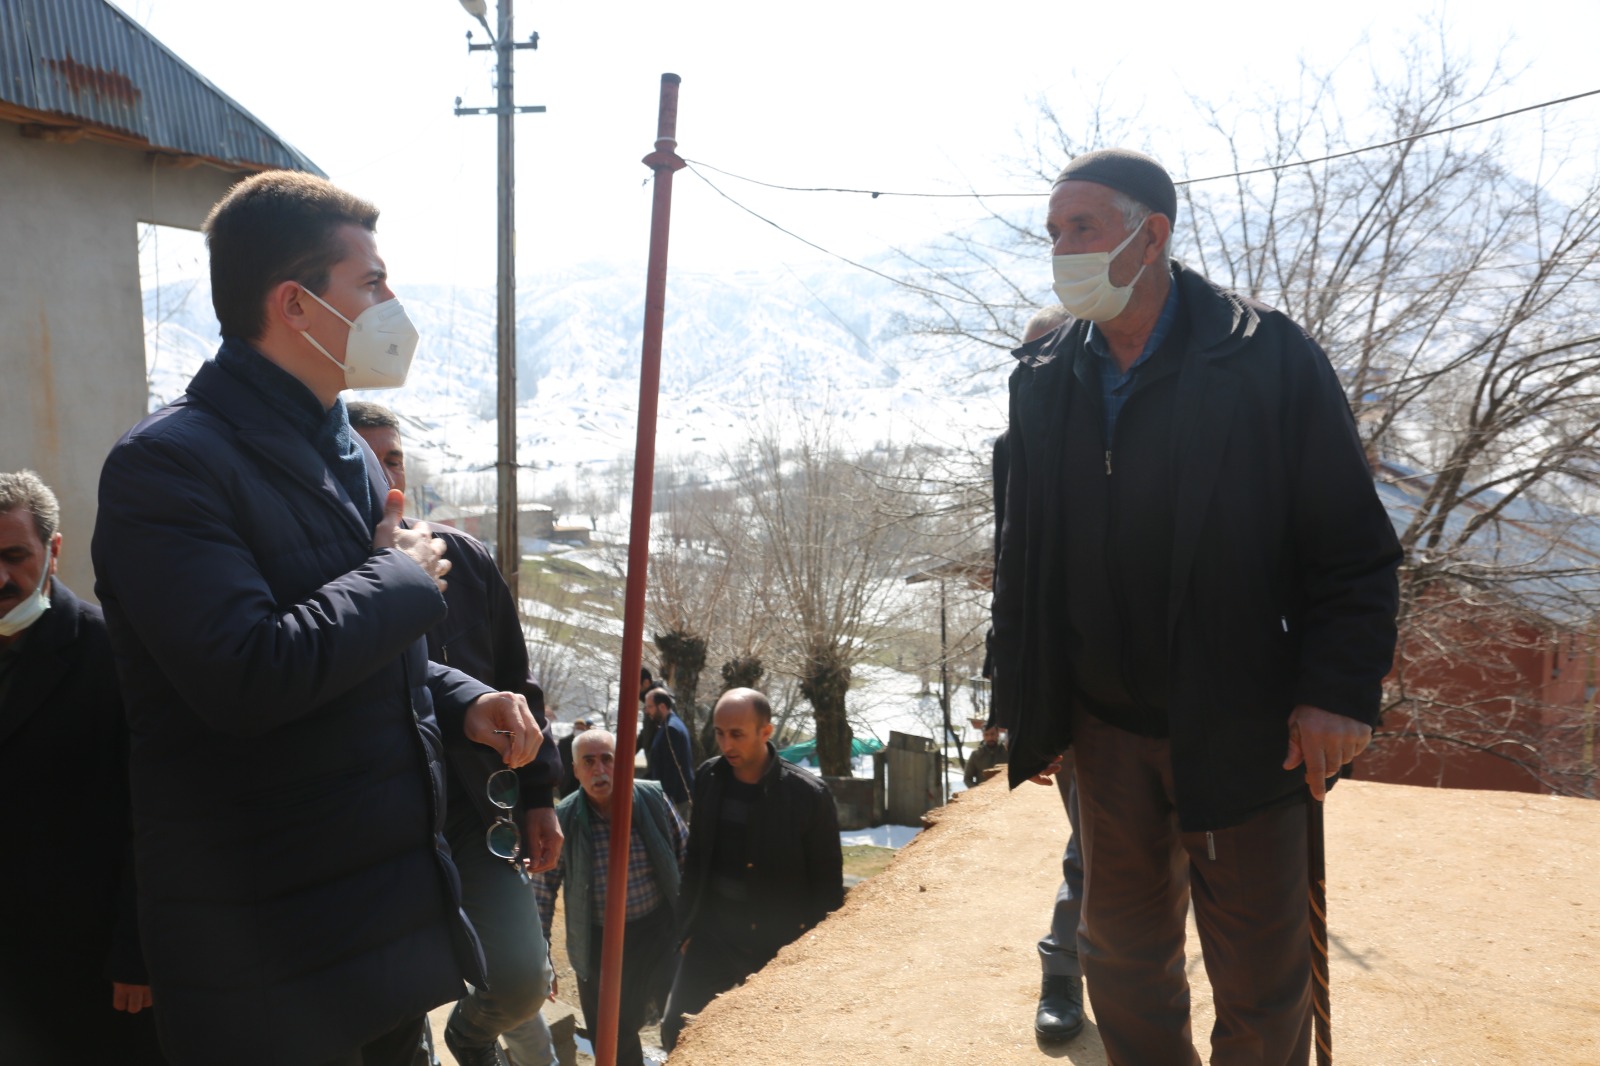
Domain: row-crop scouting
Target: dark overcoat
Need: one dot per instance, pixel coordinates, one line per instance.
(296, 895)
(1283, 567)
(68, 925)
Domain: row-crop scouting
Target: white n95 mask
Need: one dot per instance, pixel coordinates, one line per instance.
(378, 353)
(1083, 282)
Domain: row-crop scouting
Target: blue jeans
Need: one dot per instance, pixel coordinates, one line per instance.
(499, 902)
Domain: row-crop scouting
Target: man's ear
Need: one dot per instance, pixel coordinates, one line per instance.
(1159, 227)
(286, 304)
(55, 552)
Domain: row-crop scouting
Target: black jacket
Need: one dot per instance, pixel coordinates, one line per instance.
(296, 897)
(1281, 586)
(481, 635)
(68, 921)
(796, 866)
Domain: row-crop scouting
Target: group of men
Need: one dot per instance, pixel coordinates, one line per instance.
(324, 745)
(758, 865)
(299, 769)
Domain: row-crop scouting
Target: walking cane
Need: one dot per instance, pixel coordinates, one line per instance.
(1321, 1000)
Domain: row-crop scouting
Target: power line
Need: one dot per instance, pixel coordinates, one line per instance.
(825, 251)
(875, 193)
(1362, 289)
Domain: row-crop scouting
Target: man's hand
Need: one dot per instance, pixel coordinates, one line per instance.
(417, 542)
(542, 832)
(502, 721)
(1047, 775)
(131, 998)
(1324, 741)
(555, 986)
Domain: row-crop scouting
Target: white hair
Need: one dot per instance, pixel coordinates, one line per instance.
(592, 736)
(1133, 213)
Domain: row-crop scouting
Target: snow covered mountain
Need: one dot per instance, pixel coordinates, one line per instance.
(737, 348)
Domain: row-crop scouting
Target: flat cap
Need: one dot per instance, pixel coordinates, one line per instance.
(1128, 172)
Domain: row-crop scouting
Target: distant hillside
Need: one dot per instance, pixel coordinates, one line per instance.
(737, 347)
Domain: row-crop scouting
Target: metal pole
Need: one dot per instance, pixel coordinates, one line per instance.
(1321, 994)
(664, 160)
(507, 550)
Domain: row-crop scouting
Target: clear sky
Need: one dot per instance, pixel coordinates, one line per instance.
(864, 93)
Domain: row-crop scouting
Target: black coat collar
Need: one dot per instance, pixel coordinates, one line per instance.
(46, 658)
(268, 434)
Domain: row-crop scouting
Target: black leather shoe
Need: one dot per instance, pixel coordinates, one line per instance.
(472, 1054)
(1060, 1016)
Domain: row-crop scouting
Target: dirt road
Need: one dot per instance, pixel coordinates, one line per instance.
(1465, 929)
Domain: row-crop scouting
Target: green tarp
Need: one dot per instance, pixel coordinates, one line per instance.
(808, 749)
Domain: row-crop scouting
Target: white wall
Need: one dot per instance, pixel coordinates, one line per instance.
(72, 363)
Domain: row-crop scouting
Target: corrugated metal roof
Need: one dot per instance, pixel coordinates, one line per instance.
(86, 62)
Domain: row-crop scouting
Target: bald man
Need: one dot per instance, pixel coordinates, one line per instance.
(764, 860)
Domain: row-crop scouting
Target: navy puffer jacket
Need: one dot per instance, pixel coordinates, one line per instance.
(296, 896)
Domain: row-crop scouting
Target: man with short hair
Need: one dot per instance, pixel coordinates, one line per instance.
(268, 610)
(569, 779)
(481, 635)
(764, 862)
(72, 977)
(656, 847)
(1192, 534)
(669, 759)
(985, 756)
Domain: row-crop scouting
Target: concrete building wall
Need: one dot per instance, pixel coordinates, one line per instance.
(72, 361)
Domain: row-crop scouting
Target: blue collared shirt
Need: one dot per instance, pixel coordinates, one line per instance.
(1116, 386)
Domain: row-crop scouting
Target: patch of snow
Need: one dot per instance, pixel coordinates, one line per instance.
(883, 836)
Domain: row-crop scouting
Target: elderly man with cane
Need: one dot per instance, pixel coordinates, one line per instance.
(1191, 533)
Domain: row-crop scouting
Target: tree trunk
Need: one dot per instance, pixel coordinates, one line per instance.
(825, 680)
(683, 656)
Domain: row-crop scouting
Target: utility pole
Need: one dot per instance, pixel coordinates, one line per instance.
(944, 695)
(507, 550)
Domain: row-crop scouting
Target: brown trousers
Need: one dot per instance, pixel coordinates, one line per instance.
(1248, 884)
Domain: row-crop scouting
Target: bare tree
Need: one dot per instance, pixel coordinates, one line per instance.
(835, 558)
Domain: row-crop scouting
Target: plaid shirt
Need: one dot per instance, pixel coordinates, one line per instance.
(644, 895)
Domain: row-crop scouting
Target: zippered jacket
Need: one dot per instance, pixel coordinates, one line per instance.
(1242, 566)
(793, 856)
(296, 896)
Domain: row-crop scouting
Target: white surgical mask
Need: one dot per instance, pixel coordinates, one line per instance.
(28, 611)
(378, 353)
(1083, 282)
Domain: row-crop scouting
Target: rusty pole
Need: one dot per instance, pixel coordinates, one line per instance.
(664, 160)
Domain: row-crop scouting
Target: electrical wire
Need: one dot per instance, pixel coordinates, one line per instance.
(1353, 290)
(934, 293)
(875, 193)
